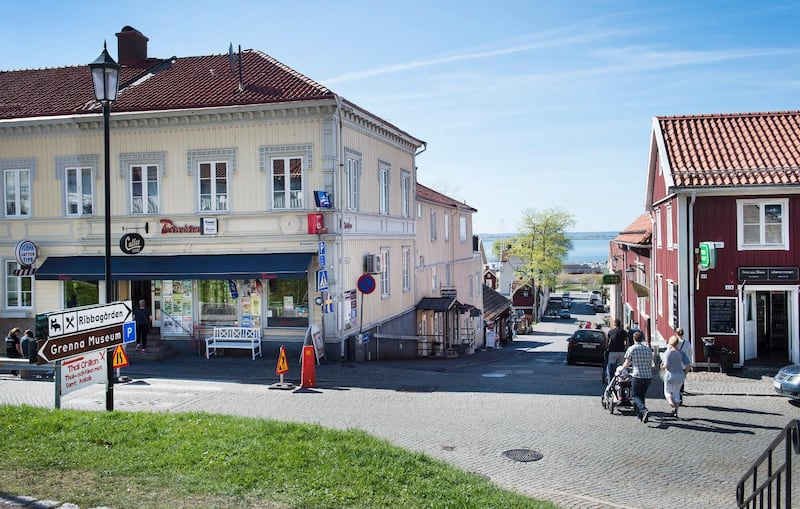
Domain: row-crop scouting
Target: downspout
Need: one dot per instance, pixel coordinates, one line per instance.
(653, 332)
(340, 199)
(690, 264)
(413, 214)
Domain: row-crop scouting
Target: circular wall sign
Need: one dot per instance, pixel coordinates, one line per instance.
(366, 284)
(26, 253)
(131, 243)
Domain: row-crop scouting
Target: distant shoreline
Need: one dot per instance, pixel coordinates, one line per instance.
(588, 248)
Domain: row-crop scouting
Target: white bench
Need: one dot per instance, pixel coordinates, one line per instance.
(243, 338)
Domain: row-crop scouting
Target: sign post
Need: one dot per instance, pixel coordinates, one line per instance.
(366, 285)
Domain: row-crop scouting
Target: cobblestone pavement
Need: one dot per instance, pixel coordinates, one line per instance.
(469, 411)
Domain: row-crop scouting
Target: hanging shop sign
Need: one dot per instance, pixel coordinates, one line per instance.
(26, 253)
(131, 243)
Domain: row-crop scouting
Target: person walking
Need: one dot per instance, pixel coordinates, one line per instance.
(13, 344)
(639, 359)
(615, 348)
(685, 348)
(675, 374)
(143, 318)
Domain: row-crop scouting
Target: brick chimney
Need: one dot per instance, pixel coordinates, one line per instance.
(131, 47)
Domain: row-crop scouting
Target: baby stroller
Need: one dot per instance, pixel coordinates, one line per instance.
(618, 392)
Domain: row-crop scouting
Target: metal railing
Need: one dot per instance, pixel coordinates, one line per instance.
(768, 483)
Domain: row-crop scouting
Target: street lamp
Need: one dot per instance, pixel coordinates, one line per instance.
(105, 78)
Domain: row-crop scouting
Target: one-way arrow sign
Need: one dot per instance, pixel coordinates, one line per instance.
(73, 321)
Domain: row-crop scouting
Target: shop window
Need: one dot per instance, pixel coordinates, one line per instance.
(288, 303)
(176, 308)
(19, 289)
(81, 293)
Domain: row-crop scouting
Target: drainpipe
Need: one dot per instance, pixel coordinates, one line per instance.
(338, 192)
(413, 215)
(691, 267)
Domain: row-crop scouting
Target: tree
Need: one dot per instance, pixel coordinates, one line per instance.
(542, 244)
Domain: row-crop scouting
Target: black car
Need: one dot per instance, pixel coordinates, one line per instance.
(586, 345)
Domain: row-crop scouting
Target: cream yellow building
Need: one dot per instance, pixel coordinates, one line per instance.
(226, 181)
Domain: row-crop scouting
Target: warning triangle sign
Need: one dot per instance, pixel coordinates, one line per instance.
(283, 366)
(119, 360)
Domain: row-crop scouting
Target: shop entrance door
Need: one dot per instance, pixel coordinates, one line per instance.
(767, 323)
(145, 290)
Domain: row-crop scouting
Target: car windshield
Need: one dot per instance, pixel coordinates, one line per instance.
(588, 335)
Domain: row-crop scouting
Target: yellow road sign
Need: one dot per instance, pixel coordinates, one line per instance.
(283, 366)
(119, 360)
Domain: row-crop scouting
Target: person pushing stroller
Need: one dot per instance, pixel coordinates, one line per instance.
(615, 349)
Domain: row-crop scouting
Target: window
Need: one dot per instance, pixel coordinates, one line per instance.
(353, 170)
(287, 183)
(213, 186)
(763, 224)
(447, 274)
(144, 188)
(660, 294)
(80, 293)
(406, 268)
(658, 228)
(471, 287)
(405, 194)
(419, 210)
(462, 228)
(19, 289)
(671, 301)
(80, 195)
(385, 286)
(433, 225)
(434, 281)
(383, 184)
(669, 227)
(446, 227)
(17, 185)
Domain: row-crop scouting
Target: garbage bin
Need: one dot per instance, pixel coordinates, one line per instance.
(709, 349)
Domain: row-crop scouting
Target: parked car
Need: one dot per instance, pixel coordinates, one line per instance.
(586, 345)
(787, 382)
(564, 313)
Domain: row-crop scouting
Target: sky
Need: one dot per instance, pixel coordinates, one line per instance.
(523, 104)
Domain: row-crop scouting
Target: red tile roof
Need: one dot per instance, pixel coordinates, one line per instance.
(733, 149)
(639, 232)
(428, 194)
(176, 83)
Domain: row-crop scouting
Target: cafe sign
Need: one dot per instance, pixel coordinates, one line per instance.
(131, 243)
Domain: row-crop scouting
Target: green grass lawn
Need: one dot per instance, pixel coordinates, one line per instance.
(152, 460)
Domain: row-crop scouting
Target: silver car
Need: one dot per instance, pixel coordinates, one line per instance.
(787, 381)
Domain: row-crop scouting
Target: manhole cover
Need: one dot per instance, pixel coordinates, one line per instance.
(523, 455)
(417, 388)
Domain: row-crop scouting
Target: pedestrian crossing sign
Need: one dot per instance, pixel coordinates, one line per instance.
(119, 360)
(322, 280)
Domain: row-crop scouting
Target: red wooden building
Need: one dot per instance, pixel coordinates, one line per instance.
(630, 258)
(723, 192)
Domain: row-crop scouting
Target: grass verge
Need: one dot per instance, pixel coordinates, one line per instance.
(151, 460)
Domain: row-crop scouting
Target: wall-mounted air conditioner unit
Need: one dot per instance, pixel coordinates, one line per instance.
(372, 264)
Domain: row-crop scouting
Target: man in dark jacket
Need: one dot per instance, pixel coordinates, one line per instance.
(615, 348)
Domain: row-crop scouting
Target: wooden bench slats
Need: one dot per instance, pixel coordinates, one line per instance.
(243, 338)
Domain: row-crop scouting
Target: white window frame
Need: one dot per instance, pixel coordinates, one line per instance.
(446, 220)
(419, 210)
(406, 268)
(384, 181)
(763, 225)
(658, 228)
(353, 177)
(434, 233)
(148, 204)
(71, 174)
(287, 198)
(14, 286)
(218, 200)
(386, 289)
(660, 294)
(671, 301)
(21, 179)
(405, 193)
(670, 233)
(471, 287)
(434, 279)
(462, 228)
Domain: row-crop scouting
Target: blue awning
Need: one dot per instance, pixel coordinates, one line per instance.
(145, 268)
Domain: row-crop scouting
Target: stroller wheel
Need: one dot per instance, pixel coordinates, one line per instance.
(603, 402)
(611, 407)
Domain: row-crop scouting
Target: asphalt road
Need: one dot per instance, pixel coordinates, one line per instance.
(470, 412)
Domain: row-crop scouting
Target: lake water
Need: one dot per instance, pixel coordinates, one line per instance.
(587, 247)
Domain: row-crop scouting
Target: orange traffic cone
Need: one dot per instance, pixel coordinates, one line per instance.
(308, 376)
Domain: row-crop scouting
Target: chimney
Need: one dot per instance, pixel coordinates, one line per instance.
(131, 47)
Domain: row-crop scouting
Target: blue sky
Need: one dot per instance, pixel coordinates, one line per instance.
(523, 104)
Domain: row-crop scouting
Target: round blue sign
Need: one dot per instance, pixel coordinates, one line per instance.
(366, 284)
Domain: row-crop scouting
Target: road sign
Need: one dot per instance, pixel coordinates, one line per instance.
(283, 366)
(129, 332)
(72, 321)
(83, 370)
(611, 279)
(119, 359)
(54, 349)
(322, 280)
(322, 248)
(321, 261)
(366, 284)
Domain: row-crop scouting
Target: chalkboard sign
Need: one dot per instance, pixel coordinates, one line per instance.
(722, 315)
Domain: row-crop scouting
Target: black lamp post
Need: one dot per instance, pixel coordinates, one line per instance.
(105, 78)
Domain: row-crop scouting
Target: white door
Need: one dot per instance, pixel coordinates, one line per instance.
(750, 339)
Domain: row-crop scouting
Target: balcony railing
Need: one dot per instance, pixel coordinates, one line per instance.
(768, 483)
